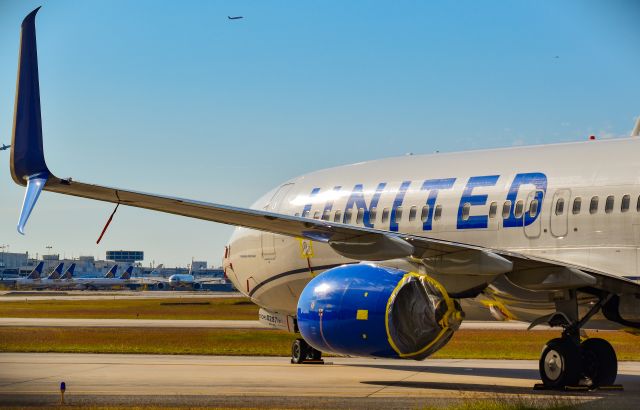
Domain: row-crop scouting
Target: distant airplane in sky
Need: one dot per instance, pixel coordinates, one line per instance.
(4, 147)
(235, 17)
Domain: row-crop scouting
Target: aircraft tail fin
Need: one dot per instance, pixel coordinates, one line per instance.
(57, 272)
(36, 272)
(112, 272)
(69, 272)
(127, 274)
(636, 128)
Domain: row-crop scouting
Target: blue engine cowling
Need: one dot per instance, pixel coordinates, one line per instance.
(370, 310)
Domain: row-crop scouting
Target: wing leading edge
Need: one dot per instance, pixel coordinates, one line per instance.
(28, 168)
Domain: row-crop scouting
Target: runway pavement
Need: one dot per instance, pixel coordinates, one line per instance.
(212, 324)
(33, 379)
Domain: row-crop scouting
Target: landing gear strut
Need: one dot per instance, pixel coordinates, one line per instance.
(566, 361)
(301, 352)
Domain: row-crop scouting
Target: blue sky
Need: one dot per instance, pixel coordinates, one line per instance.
(173, 98)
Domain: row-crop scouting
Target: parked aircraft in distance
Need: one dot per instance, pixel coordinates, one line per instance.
(111, 273)
(4, 147)
(235, 17)
(30, 280)
(375, 258)
(107, 282)
(68, 274)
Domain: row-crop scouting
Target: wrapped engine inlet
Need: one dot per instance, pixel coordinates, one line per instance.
(370, 310)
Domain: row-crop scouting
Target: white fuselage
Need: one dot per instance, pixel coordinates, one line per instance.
(181, 280)
(486, 198)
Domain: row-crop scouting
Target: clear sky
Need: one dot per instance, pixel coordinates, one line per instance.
(174, 98)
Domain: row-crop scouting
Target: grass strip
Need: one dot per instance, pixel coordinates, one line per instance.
(466, 344)
(168, 308)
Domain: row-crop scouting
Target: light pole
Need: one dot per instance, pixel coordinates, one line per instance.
(4, 247)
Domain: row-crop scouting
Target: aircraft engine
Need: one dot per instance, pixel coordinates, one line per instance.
(197, 286)
(371, 310)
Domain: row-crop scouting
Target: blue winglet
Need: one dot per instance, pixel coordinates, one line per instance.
(35, 183)
(27, 154)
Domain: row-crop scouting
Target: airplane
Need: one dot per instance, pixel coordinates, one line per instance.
(377, 258)
(30, 280)
(176, 281)
(111, 273)
(235, 17)
(108, 281)
(4, 147)
(56, 272)
(68, 274)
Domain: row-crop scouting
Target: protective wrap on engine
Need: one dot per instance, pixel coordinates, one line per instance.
(370, 310)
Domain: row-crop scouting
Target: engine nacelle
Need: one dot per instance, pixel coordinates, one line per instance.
(370, 310)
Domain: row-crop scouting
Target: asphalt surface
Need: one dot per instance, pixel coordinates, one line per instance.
(34, 379)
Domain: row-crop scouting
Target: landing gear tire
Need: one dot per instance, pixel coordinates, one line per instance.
(560, 363)
(299, 351)
(315, 354)
(599, 362)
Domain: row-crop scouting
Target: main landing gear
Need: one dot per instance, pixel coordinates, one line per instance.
(566, 361)
(301, 352)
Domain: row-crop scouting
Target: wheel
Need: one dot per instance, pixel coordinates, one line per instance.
(315, 354)
(299, 351)
(560, 363)
(599, 361)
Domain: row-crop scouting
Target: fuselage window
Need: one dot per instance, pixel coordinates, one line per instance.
(593, 207)
(316, 215)
(359, 215)
(438, 212)
(325, 215)
(518, 210)
(533, 208)
(347, 216)
(412, 213)
(560, 206)
(425, 213)
(493, 208)
(372, 214)
(506, 209)
(626, 201)
(297, 214)
(465, 211)
(608, 206)
(398, 216)
(385, 215)
(577, 204)
(337, 217)
(638, 205)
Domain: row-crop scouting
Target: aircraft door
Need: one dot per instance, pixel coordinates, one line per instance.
(559, 215)
(533, 207)
(268, 239)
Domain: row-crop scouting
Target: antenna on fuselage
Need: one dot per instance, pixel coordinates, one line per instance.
(636, 129)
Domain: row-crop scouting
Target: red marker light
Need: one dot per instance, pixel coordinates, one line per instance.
(592, 137)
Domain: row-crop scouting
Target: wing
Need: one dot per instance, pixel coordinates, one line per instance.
(28, 167)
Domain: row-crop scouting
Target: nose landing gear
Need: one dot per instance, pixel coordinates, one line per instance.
(567, 362)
